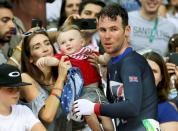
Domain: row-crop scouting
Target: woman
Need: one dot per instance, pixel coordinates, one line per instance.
(68, 8)
(167, 114)
(44, 93)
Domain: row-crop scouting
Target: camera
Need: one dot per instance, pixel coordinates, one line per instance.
(173, 58)
(85, 24)
(36, 23)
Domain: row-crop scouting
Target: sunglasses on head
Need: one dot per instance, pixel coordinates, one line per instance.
(36, 31)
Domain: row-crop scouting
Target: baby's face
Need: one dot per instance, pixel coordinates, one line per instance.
(70, 41)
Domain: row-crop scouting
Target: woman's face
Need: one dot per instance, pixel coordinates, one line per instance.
(40, 46)
(156, 71)
(72, 7)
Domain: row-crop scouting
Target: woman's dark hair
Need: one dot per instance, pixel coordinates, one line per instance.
(164, 85)
(112, 11)
(62, 14)
(173, 43)
(30, 68)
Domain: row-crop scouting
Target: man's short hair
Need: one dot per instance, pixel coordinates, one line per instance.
(6, 4)
(112, 11)
(95, 2)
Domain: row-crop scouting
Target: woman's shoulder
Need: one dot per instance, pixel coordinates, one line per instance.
(26, 76)
(29, 92)
(166, 112)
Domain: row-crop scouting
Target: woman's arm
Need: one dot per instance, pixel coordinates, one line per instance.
(169, 126)
(48, 112)
(31, 92)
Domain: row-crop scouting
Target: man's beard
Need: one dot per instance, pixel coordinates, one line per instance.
(3, 40)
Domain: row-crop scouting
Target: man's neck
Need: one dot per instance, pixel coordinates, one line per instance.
(148, 16)
(125, 45)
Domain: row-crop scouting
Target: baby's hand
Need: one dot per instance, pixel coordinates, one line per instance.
(42, 62)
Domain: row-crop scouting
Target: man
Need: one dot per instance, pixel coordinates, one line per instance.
(150, 31)
(90, 9)
(6, 27)
(14, 117)
(131, 89)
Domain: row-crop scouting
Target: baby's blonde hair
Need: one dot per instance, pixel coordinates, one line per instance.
(68, 27)
(65, 28)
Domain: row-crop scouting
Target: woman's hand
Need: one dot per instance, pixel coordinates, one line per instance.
(176, 72)
(171, 67)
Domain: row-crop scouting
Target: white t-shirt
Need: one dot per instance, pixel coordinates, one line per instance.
(21, 119)
(141, 30)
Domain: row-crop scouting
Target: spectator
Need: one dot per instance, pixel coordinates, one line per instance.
(53, 14)
(6, 28)
(11, 28)
(14, 117)
(169, 10)
(173, 70)
(172, 67)
(71, 44)
(90, 9)
(172, 14)
(167, 114)
(132, 99)
(68, 8)
(148, 30)
(43, 95)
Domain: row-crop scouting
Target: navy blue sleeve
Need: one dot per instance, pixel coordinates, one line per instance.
(131, 77)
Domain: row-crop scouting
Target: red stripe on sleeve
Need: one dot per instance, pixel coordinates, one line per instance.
(97, 109)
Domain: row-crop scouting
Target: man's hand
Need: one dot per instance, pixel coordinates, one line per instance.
(83, 107)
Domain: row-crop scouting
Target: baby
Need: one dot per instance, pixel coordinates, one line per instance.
(71, 43)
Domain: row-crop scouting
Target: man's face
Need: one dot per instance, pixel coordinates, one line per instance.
(90, 11)
(150, 6)
(6, 24)
(9, 95)
(112, 34)
(72, 7)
